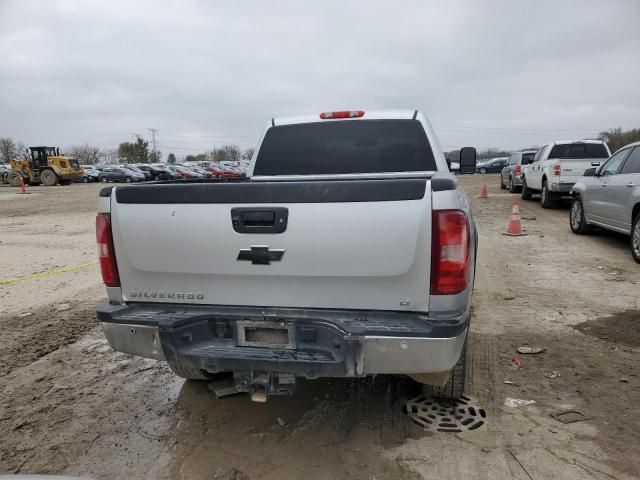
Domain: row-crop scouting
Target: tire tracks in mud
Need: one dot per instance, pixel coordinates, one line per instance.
(29, 336)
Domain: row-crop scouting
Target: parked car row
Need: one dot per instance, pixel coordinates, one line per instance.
(604, 188)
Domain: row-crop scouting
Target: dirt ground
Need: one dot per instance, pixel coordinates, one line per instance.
(68, 404)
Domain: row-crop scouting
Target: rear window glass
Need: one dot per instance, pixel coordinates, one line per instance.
(526, 158)
(338, 147)
(579, 150)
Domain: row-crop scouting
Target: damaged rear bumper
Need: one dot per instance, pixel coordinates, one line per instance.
(303, 342)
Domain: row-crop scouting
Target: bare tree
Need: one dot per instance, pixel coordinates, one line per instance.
(109, 155)
(232, 152)
(86, 154)
(8, 150)
(248, 153)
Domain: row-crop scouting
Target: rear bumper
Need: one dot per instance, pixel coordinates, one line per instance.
(561, 187)
(322, 343)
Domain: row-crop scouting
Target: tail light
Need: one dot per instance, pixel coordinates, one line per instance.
(517, 170)
(557, 168)
(342, 114)
(450, 259)
(106, 252)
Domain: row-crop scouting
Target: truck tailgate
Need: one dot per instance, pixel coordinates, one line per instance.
(358, 244)
(572, 169)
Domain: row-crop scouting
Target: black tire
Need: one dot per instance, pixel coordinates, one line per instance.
(455, 387)
(483, 170)
(49, 178)
(577, 220)
(85, 180)
(128, 180)
(546, 197)
(512, 188)
(13, 178)
(526, 193)
(502, 185)
(156, 178)
(635, 238)
(104, 180)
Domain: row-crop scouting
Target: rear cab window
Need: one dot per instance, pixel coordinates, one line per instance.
(579, 150)
(527, 158)
(345, 147)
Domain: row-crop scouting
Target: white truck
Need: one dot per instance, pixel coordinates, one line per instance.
(557, 166)
(349, 250)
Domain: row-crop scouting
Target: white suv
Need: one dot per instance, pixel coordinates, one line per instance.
(557, 166)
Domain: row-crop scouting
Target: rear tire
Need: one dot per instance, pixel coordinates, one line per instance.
(49, 178)
(526, 193)
(635, 238)
(546, 199)
(455, 386)
(502, 185)
(512, 188)
(577, 220)
(483, 170)
(104, 180)
(128, 180)
(13, 178)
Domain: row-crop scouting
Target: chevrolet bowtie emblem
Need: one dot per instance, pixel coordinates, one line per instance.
(260, 255)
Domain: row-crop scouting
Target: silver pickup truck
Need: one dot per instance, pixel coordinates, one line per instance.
(349, 250)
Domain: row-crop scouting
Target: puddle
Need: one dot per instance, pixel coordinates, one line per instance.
(621, 328)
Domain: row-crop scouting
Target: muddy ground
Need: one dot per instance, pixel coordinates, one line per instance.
(68, 404)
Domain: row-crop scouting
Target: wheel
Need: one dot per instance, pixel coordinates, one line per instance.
(502, 185)
(483, 170)
(577, 220)
(128, 179)
(49, 178)
(546, 199)
(455, 386)
(104, 179)
(13, 178)
(156, 178)
(65, 182)
(85, 179)
(526, 193)
(635, 238)
(512, 188)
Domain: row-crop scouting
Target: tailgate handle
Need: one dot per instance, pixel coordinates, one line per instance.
(259, 219)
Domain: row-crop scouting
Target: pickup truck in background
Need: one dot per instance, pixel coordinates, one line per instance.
(349, 250)
(557, 166)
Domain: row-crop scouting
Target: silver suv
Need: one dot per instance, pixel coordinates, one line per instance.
(609, 197)
(510, 176)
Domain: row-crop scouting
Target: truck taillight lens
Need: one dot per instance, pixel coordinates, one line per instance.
(450, 259)
(106, 253)
(517, 170)
(557, 169)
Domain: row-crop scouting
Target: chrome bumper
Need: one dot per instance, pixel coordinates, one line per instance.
(371, 354)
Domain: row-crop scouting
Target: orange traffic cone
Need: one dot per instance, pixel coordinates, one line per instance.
(23, 188)
(484, 193)
(515, 227)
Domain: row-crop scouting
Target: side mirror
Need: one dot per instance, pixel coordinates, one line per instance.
(467, 160)
(590, 172)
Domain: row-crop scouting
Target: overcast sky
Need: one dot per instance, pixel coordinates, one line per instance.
(489, 74)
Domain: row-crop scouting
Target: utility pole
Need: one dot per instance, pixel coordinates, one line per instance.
(153, 142)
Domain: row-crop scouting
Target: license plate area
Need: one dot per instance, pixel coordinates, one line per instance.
(266, 334)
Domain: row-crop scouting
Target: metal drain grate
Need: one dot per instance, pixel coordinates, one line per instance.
(445, 415)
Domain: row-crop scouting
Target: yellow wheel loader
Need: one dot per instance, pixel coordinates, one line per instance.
(44, 165)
